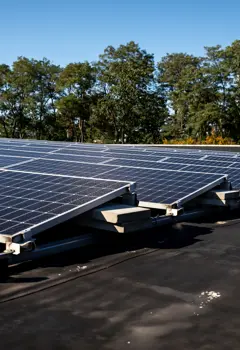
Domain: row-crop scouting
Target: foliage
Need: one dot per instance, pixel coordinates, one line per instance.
(209, 140)
(130, 108)
(125, 97)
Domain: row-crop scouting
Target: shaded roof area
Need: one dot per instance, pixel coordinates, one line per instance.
(131, 295)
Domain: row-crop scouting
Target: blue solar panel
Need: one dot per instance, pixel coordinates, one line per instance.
(147, 179)
(42, 181)
(76, 158)
(120, 155)
(203, 162)
(34, 202)
(145, 164)
(159, 186)
(56, 167)
(6, 161)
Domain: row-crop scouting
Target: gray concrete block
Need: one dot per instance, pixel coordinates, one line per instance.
(124, 228)
(223, 195)
(119, 213)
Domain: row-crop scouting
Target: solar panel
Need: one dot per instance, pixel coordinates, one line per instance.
(45, 149)
(30, 203)
(235, 165)
(107, 154)
(166, 187)
(145, 164)
(204, 162)
(162, 186)
(163, 176)
(156, 154)
(76, 158)
(190, 150)
(229, 157)
(233, 174)
(57, 167)
(6, 161)
(11, 151)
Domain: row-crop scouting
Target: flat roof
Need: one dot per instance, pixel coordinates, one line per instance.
(175, 289)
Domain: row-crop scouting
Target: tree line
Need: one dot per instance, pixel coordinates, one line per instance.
(124, 97)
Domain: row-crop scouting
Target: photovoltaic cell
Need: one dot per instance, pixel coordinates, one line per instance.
(223, 158)
(62, 168)
(203, 162)
(76, 158)
(144, 164)
(192, 151)
(32, 200)
(107, 154)
(105, 171)
(233, 174)
(163, 175)
(27, 153)
(7, 161)
(161, 186)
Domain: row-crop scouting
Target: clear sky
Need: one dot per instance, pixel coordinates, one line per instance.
(67, 31)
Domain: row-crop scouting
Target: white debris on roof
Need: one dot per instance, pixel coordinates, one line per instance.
(79, 268)
(207, 297)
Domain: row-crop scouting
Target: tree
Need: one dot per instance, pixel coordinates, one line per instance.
(124, 97)
(76, 83)
(126, 81)
(14, 96)
(175, 74)
(4, 73)
(232, 64)
(28, 95)
(44, 77)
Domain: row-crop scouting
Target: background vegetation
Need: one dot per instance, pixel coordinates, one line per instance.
(125, 97)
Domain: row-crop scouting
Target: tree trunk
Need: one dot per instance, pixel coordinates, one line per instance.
(5, 128)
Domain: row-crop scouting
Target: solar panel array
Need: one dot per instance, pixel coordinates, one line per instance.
(26, 200)
(44, 181)
(32, 202)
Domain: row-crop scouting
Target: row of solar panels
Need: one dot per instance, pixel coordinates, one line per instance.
(48, 182)
(159, 183)
(167, 159)
(129, 148)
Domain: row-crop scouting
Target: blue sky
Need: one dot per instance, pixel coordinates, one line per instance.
(78, 30)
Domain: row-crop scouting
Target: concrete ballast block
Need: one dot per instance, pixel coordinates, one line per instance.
(223, 195)
(125, 228)
(119, 213)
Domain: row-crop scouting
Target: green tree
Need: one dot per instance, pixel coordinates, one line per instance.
(76, 84)
(44, 76)
(232, 63)
(126, 81)
(4, 73)
(176, 74)
(28, 97)
(14, 96)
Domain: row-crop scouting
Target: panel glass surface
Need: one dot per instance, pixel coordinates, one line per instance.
(92, 160)
(159, 186)
(8, 161)
(119, 155)
(144, 164)
(203, 162)
(56, 167)
(27, 200)
(76, 158)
